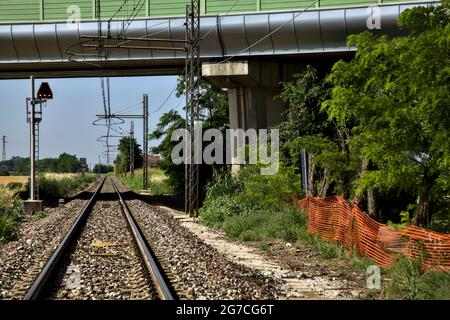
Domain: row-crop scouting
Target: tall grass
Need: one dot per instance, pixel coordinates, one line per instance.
(11, 210)
(51, 186)
(56, 185)
(408, 281)
(285, 224)
(158, 183)
(251, 207)
(249, 193)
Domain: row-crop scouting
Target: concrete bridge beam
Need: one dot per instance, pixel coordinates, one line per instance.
(252, 91)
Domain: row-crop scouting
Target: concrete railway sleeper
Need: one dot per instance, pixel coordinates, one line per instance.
(103, 256)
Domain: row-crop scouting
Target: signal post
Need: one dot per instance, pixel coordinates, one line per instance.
(34, 116)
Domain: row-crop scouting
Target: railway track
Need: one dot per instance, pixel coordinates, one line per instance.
(103, 256)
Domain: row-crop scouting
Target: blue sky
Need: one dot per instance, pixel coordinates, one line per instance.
(67, 120)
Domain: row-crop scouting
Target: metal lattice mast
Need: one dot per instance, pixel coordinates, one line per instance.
(4, 153)
(132, 149)
(192, 79)
(144, 116)
(4, 149)
(145, 144)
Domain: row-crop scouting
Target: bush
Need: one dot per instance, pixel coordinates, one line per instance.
(247, 193)
(11, 211)
(56, 186)
(223, 184)
(327, 250)
(220, 202)
(158, 182)
(408, 281)
(39, 215)
(267, 192)
(217, 210)
(286, 224)
(8, 229)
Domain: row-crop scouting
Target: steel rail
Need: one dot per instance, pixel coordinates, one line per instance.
(164, 290)
(44, 276)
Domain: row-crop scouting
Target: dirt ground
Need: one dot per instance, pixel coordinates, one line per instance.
(305, 274)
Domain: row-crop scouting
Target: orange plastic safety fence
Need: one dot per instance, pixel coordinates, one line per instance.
(334, 219)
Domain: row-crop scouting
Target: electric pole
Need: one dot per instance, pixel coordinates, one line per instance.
(132, 149)
(144, 116)
(192, 79)
(4, 154)
(145, 144)
(34, 194)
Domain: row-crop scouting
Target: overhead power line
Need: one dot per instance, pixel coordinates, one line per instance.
(270, 33)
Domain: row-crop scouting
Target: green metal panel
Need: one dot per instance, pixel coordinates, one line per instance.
(345, 3)
(224, 6)
(109, 8)
(23, 10)
(267, 5)
(57, 9)
(168, 7)
(30, 10)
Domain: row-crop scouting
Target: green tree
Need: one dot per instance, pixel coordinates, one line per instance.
(68, 163)
(103, 168)
(168, 123)
(213, 114)
(304, 96)
(123, 159)
(21, 166)
(305, 127)
(48, 165)
(396, 92)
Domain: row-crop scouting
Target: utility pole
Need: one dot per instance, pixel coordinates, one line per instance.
(192, 78)
(99, 165)
(33, 194)
(145, 144)
(4, 154)
(304, 168)
(4, 149)
(132, 149)
(144, 116)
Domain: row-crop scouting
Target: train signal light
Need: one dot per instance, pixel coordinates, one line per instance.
(44, 91)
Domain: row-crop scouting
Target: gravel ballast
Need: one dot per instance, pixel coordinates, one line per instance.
(199, 271)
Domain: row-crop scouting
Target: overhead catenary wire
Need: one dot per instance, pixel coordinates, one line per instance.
(128, 108)
(270, 33)
(102, 53)
(180, 26)
(221, 17)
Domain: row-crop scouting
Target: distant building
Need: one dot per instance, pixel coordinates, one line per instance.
(152, 160)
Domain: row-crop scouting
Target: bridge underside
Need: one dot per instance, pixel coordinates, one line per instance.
(59, 50)
(147, 67)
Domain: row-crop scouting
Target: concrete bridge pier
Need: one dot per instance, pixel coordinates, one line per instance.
(252, 90)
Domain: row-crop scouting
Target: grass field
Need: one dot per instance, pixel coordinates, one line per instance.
(13, 179)
(157, 181)
(61, 176)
